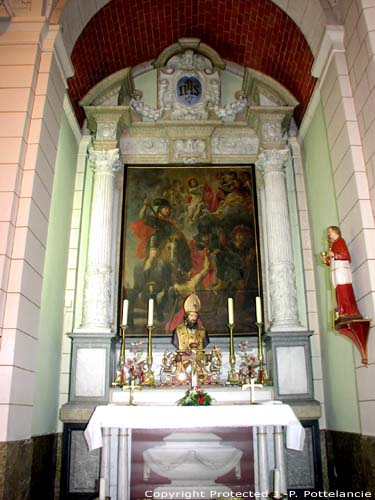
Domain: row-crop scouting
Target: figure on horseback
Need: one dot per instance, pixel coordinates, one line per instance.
(164, 250)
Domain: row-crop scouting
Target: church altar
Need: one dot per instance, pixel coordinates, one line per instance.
(115, 421)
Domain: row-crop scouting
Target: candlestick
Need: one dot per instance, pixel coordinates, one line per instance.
(230, 311)
(102, 488)
(258, 308)
(149, 375)
(125, 308)
(276, 483)
(150, 317)
(233, 377)
(120, 379)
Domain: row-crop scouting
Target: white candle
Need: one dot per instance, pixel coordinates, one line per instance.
(125, 307)
(150, 317)
(276, 483)
(230, 311)
(252, 390)
(101, 488)
(194, 379)
(258, 305)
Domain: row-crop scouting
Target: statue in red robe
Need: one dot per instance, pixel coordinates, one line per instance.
(338, 258)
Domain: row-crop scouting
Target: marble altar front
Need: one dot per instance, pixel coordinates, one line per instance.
(110, 427)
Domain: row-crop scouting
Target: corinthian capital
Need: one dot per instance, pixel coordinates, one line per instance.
(105, 161)
(272, 160)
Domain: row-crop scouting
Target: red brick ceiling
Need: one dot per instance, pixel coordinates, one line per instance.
(253, 33)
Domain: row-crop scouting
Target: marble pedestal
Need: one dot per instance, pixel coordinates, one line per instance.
(91, 366)
(289, 364)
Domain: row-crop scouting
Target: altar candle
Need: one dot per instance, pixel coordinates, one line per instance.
(252, 390)
(194, 382)
(258, 304)
(102, 488)
(276, 483)
(125, 308)
(230, 311)
(150, 318)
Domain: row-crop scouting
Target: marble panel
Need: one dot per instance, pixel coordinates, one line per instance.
(84, 465)
(351, 461)
(90, 372)
(15, 469)
(43, 470)
(292, 381)
(300, 465)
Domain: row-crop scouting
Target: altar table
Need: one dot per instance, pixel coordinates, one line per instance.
(260, 416)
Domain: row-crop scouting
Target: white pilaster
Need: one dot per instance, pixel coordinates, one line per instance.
(283, 294)
(97, 293)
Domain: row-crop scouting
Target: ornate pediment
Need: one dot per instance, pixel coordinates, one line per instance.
(189, 87)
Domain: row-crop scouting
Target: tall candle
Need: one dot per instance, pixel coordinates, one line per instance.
(150, 317)
(276, 483)
(230, 311)
(125, 308)
(101, 488)
(258, 306)
(194, 381)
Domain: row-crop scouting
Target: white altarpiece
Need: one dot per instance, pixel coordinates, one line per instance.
(251, 129)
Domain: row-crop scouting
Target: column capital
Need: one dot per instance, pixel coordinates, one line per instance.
(272, 160)
(105, 160)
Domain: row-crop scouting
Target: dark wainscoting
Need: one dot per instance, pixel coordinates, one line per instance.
(350, 461)
(28, 468)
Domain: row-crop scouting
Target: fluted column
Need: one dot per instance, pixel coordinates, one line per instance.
(283, 293)
(97, 293)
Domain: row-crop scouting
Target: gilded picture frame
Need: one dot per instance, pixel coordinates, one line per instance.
(185, 229)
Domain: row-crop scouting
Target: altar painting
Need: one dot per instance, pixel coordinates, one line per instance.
(190, 229)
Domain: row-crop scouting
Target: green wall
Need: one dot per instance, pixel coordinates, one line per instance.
(46, 396)
(337, 352)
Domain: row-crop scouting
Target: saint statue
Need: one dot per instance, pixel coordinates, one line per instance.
(190, 334)
(338, 258)
(190, 363)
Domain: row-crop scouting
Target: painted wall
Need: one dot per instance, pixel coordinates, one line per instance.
(342, 412)
(46, 394)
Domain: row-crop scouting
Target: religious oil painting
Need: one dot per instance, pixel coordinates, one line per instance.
(206, 463)
(190, 229)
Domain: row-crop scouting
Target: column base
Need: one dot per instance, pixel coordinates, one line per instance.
(287, 328)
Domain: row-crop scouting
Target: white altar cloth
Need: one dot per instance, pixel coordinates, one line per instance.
(187, 417)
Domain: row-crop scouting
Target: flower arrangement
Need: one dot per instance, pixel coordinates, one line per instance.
(135, 364)
(195, 397)
(248, 363)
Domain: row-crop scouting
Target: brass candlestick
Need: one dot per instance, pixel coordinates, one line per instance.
(149, 375)
(120, 379)
(233, 378)
(262, 372)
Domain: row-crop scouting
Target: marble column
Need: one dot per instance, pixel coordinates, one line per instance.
(97, 310)
(283, 293)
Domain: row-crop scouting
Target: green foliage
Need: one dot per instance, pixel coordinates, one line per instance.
(195, 397)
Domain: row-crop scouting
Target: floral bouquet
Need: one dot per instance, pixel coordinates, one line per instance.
(195, 397)
(248, 363)
(135, 364)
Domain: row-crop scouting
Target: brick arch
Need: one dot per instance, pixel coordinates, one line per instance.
(253, 33)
